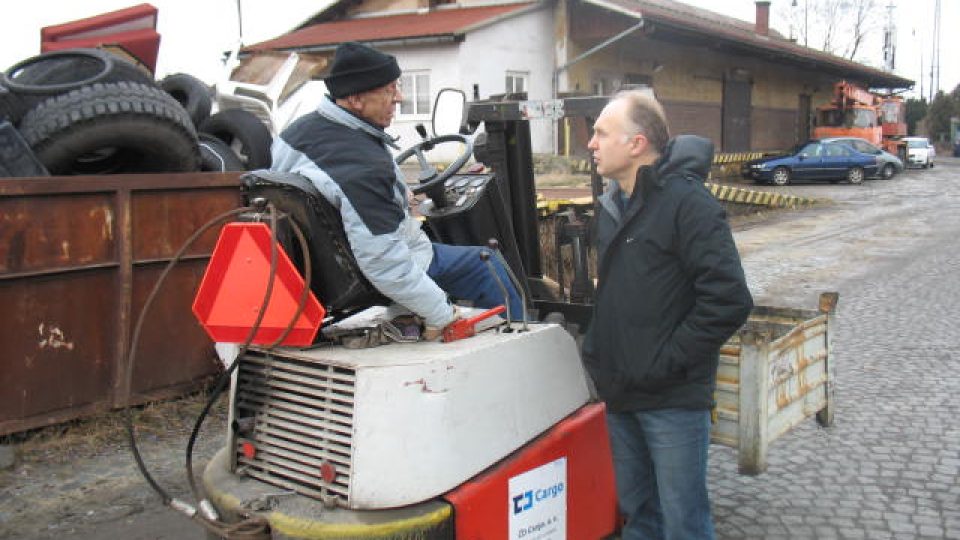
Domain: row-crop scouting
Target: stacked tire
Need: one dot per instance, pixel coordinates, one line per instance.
(89, 112)
(231, 139)
(86, 111)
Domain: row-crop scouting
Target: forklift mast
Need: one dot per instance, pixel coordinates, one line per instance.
(506, 148)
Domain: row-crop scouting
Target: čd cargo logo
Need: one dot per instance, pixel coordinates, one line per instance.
(526, 500)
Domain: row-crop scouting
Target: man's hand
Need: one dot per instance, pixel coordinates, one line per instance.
(433, 333)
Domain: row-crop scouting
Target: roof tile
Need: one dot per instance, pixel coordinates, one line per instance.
(371, 29)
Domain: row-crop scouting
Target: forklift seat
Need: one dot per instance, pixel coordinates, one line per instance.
(336, 278)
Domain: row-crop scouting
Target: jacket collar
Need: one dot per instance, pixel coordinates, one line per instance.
(335, 113)
(684, 155)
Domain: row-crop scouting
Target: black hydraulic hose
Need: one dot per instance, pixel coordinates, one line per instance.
(131, 359)
(224, 378)
(250, 528)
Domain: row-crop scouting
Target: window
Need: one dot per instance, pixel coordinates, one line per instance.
(811, 150)
(860, 118)
(864, 146)
(415, 86)
(517, 82)
(836, 150)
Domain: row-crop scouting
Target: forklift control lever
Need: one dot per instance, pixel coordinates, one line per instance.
(485, 257)
(464, 328)
(494, 245)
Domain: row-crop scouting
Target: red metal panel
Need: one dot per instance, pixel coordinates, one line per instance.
(132, 28)
(481, 505)
(47, 233)
(72, 288)
(173, 346)
(58, 348)
(163, 220)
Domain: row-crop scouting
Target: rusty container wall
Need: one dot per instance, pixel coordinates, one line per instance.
(78, 257)
(775, 373)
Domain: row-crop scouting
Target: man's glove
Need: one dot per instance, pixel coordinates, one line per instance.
(433, 333)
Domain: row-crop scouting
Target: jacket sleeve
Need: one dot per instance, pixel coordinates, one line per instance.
(385, 257)
(710, 258)
(387, 261)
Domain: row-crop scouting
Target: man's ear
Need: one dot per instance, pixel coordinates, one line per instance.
(354, 101)
(638, 145)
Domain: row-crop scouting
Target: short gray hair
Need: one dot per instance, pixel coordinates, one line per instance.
(645, 116)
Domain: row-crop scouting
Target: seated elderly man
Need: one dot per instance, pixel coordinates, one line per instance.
(343, 149)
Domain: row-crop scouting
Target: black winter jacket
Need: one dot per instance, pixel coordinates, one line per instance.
(670, 291)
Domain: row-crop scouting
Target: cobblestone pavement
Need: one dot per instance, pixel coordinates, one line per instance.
(889, 468)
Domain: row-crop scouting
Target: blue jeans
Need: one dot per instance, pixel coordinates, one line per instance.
(460, 272)
(660, 464)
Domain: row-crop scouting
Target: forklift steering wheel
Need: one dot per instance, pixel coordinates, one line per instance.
(429, 177)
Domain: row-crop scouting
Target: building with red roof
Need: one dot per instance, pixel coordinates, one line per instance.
(742, 84)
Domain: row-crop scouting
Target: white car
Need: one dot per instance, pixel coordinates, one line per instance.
(920, 152)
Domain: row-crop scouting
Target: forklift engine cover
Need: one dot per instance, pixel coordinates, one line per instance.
(402, 423)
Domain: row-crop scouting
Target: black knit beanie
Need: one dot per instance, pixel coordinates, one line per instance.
(358, 68)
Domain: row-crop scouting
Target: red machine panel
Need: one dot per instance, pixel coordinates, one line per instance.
(568, 468)
(133, 29)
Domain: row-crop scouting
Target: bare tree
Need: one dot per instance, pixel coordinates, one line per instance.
(828, 14)
(839, 26)
(866, 18)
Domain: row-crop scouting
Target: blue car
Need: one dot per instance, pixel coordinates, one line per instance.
(813, 160)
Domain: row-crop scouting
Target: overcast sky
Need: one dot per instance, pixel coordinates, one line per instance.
(194, 33)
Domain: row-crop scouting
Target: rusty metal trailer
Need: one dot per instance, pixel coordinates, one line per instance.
(78, 256)
(774, 373)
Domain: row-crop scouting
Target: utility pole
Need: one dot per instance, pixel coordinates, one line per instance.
(239, 24)
(935, 56)
(890, 41)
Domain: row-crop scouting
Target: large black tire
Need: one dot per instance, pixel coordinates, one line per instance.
(190, 92)
(16, 158)
(12, 108)
(244, 133)
(216, 156)
(55, 73)
(112, 128)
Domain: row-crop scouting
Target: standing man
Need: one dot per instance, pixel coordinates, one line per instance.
(343, 149)
(671, 291)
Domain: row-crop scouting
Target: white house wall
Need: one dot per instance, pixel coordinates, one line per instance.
(521, 43)
(441, 61)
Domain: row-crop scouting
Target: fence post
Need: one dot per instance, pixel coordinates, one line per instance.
(828, 306)
(754, 387)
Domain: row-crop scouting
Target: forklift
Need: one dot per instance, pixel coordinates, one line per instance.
(491, 433)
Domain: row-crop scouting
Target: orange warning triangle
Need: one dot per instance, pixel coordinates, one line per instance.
(233, 286)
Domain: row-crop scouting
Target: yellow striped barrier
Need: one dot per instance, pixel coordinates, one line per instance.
(736, 157)
(726, 193)
(583, 165)
(758, 198)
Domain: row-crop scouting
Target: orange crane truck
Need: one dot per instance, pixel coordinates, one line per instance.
(857, 112)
